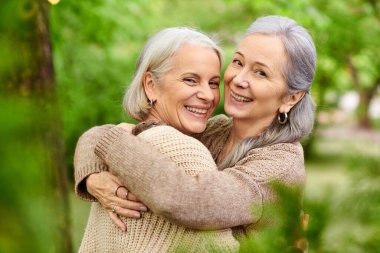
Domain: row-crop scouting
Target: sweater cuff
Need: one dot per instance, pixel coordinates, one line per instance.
(80, 186)
(109, 137)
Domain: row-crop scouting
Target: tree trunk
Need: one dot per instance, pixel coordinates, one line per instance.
(33, 78)
(45, 83)
(365, 96)
(363, 110)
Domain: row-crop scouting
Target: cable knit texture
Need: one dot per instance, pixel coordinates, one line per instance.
(153, 233)
(212, 199)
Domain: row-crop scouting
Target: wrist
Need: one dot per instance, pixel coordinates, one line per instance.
(89, 182)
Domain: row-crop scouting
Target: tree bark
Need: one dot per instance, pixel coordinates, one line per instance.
(34, 79)
(365, 96)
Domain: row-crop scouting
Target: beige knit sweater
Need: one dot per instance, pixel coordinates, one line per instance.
(153, 233)
(213, 199)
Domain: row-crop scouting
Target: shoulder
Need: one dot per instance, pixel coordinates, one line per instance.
(281, 149)
(217, 125)
(96, 131)
(164, 134)
(167, 135)
(220, 121)
(283, 162)
(187, 152)
(160, 130)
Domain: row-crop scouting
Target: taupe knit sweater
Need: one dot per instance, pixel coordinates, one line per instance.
(213, 199)
(153, 233)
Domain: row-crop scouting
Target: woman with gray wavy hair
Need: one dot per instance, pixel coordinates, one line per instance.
(267, 97)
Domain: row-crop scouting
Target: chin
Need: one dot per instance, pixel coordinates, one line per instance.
(196, 129)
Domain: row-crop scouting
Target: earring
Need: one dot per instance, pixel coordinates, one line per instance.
(282, 118)
(151, 102)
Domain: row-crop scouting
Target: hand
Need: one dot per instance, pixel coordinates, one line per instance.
(103, 186)
(127, 126)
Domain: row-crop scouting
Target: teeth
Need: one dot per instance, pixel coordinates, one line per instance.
(196, 110)
(240, 98)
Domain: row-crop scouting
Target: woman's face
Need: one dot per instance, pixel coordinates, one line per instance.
(254, 83)
(188, 93)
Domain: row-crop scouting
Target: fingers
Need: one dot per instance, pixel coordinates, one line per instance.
(132, 202)
(122, 192)
(132, 197)
(128, 213)
(116, 219)
(132, 205)
(125, 211)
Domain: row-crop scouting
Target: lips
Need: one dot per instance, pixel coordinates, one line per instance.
(200, 111)
(240, 98)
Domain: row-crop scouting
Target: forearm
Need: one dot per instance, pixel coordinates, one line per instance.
(85, 160)
(209, 200)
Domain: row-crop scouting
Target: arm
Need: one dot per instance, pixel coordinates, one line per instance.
(93, 182)
(85, 160)
(220, 199)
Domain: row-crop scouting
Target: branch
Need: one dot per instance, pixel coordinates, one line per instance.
(353, 71)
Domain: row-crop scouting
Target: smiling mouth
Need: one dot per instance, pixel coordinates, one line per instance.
(196, 110)
(240, 98)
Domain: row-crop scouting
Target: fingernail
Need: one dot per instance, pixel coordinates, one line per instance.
(143, 208)
(136, 215)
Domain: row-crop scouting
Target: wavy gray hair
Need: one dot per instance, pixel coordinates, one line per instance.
(155, 57)
(299, 73)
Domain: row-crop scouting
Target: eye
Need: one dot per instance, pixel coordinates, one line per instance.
(261, 73)
(237, 62)
(190, 81)
(214, 84)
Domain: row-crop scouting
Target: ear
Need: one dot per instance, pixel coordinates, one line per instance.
(291, 100)
(149, 86)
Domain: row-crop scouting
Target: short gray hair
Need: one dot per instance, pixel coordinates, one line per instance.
(155, 57)
(298, 71)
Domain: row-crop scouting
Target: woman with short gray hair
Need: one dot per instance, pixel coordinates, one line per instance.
(267, 97)
(174, 92)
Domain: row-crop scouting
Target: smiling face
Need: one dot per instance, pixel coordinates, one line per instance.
(188, 93)
(254, 83)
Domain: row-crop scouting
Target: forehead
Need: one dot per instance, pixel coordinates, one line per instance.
(268, 49)
(195, 56)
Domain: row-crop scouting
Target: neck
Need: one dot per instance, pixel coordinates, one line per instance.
(242, 129)
(154, 117)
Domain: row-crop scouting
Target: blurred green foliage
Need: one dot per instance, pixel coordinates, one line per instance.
(28, 205)
(95, 45)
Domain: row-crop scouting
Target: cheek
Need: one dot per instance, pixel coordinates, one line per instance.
(228, 75)
(216, 93)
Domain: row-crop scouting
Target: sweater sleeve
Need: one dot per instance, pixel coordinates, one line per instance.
(210, 200)
(85, 160)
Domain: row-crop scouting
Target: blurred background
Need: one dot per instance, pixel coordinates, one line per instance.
(64, 66)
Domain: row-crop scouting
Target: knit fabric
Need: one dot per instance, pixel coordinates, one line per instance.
(153, 233)
(213, 199)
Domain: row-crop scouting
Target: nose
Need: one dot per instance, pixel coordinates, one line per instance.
(205, 93)
(240, 80)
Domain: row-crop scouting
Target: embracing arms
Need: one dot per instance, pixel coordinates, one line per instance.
(213, 199)
(93, 182)
(86, 162)
(216, 199)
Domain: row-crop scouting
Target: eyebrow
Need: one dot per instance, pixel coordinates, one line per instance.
(256, 62)
(196, 75)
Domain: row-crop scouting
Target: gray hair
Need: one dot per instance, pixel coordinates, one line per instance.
(155, 57)
(298, 71)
